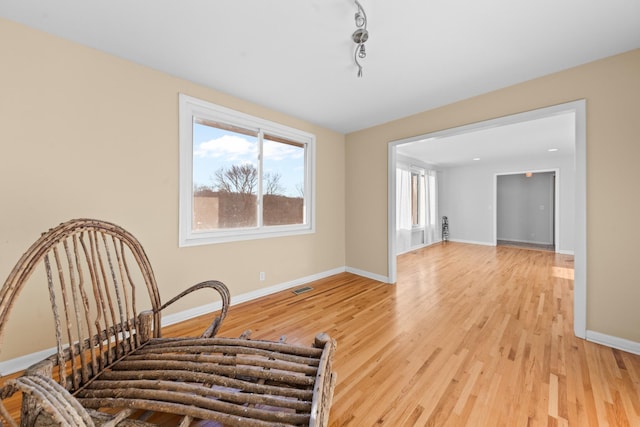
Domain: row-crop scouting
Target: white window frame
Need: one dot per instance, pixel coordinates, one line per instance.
(189, 108)
(421, 174)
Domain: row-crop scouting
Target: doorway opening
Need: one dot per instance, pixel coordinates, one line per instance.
(527, 209)
(577, 222)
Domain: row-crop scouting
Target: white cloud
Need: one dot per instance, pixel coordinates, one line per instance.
(278, 151)
(228, 147)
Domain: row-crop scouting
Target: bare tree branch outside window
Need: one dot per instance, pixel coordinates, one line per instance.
(272, 184)
(243, 179)
(237, 179)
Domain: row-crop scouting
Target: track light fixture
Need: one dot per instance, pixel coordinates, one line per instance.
(360, 36)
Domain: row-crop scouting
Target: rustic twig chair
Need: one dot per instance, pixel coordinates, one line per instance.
(112, 366)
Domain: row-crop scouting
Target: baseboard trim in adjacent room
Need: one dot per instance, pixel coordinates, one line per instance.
(614, 342)
(417, 248)
(472, 242)
(530, 242)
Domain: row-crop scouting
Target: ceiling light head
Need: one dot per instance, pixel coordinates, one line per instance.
(362, 53)
(360, 35)
(552, 149)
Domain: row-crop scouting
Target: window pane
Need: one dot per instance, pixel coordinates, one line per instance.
(283, 181)
(415, 193)
(225, 176)
(418, 199)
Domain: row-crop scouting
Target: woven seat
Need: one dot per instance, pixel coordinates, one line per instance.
(114, 368)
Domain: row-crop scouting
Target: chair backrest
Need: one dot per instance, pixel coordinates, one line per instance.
(93, 270)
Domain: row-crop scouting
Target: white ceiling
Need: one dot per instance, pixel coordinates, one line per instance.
(527, 139)
(296, 56)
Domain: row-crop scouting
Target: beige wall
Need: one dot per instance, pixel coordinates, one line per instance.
(611, 88)
(85, 134)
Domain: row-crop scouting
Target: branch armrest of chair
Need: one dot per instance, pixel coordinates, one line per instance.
(42, 368)
(53, 399)
(222, 289)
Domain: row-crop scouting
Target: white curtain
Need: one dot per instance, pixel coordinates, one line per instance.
(403, 210)
(431, 208)
(425, 231)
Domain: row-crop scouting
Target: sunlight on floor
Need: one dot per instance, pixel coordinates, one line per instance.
(562, 272)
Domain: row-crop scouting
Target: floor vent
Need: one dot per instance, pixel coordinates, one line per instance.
(302, 290)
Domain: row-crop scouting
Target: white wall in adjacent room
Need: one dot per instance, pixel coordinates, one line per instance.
(468, 197)
(525, 207)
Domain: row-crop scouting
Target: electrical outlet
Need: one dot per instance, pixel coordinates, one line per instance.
(262, 276)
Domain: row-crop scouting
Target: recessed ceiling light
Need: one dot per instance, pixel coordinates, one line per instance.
(552, 149)
(476, 158)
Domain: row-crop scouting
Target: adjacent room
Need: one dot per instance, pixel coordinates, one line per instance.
(305, 154)
(496, 184)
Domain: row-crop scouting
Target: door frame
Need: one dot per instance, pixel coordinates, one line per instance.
(580, 240)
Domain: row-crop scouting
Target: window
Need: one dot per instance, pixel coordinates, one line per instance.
(241, 177)
(418, 193)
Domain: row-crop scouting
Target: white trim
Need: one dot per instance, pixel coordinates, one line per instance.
(565, 252)
(391, 212)
(472, 242)
(286, 285)
(418, 247)
(527, 242)
(613, 342)
(368, 275)
(249, 296)
(23, 362)
(580, 239)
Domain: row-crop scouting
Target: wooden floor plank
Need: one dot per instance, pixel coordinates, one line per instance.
(469, 336)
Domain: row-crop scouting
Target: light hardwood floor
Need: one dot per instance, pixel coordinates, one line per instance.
(469, 336)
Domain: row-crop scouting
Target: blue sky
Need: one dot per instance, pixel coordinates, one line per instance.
(216, 148)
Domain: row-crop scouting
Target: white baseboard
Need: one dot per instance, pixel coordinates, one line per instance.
(368, 275)
(564, 252)
(23, 362)
(614, 342)
(208, 308)
(416, 248)
(530, 242)
(472, 242)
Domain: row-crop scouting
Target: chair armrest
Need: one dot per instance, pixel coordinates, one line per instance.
(53, 399)
(222, 289)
